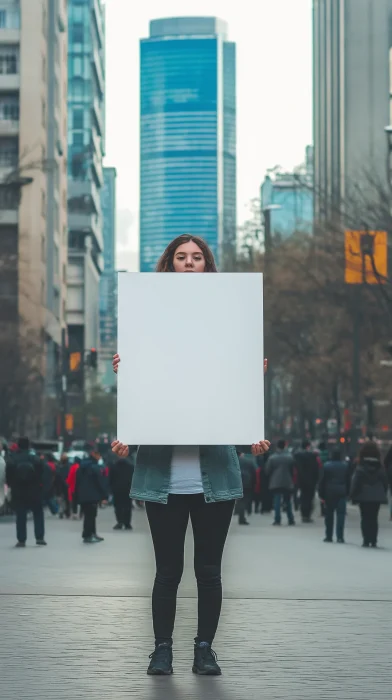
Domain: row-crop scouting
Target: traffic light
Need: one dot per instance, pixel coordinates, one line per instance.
(93, 359)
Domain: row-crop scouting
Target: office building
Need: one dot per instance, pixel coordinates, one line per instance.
(108, 285)
(86, 125)
(289, 196)
(33, 204)
(188, 136)
(351, 42)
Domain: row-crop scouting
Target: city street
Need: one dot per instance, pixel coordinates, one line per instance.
(301, 619)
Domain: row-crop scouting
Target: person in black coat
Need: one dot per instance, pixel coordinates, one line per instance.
(308, 469)
(334, 488)
(248, 475)
(25, 477)
(388, 468)
(90, 491)
(120, 481)
(369, 488)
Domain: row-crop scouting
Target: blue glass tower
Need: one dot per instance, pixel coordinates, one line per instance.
(188, 136)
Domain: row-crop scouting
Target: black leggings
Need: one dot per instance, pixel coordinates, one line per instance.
(369, 522)
(168, 524)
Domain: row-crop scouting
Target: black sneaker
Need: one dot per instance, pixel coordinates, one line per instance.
(41, 543)
(341, 540)
(205, 663)
(97, 538)
(89, 540)
(328, 539)
(20, 545)
(128, 527)
(161, 663)
(117, 527)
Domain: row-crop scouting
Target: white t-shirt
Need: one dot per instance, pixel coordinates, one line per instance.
(185, 476)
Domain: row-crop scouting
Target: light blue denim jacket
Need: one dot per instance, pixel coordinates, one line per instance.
(220, 471)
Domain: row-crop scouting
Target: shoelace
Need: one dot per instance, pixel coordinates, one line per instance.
(207, 651)
(159, 653)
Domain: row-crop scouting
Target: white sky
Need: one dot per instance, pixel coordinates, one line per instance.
(274, 83)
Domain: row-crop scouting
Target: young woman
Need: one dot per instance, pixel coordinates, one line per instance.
(369, 489)
(178, 483)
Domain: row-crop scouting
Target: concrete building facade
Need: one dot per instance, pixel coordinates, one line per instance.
(290, 196)
(33, 193)
(108, 287)
(351, 103)
(188, 135)
(86, 128)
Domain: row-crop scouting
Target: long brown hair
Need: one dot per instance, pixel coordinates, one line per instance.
(165, 263)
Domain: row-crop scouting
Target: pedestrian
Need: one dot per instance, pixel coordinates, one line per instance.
(2, 483)
(266, 494)
(388, 468)
(323, 454)
(89, 493)
(369, 488)
(333, 489)
(248, 476)
(120, 480)
(62, 476)
(181, 482)
(257, 489)
(50, 483)
(24, 476)
(71, 483)
(308, 468)
(280, 469)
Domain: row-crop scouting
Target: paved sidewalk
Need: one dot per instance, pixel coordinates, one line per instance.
(301, 620)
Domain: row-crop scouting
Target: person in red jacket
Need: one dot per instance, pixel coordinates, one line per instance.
(71, 483)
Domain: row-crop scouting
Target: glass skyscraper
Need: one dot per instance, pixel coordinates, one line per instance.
(188, 136)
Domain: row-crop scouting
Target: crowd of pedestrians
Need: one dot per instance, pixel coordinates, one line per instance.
(282, 482)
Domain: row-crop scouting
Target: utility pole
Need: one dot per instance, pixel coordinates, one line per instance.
(356, 377)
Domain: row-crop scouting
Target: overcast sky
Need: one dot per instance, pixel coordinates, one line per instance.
(274, 81)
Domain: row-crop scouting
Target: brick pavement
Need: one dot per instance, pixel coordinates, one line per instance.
(301, 619)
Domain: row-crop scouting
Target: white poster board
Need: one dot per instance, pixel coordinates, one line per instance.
(191, 349)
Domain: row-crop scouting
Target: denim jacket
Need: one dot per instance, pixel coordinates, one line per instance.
(220, 471)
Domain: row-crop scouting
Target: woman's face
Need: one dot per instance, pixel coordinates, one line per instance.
(189, 258)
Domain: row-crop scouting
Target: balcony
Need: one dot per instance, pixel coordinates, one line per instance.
(9, 204)
(84, 188)
(9, 116)
(97, 113)
(9, 26)
(9, 82)
(89, 224)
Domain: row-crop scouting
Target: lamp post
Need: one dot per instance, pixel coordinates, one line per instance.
(267, 260)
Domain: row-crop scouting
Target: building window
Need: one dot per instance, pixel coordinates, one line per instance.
(9, 152)
(9, 19)
(78, 139)
(78, 66)
(9, 60)
(9, 198)
(9, 109)
(77, 33)
(78, 119)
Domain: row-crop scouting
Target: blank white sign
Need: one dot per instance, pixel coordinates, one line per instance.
(191, 349)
